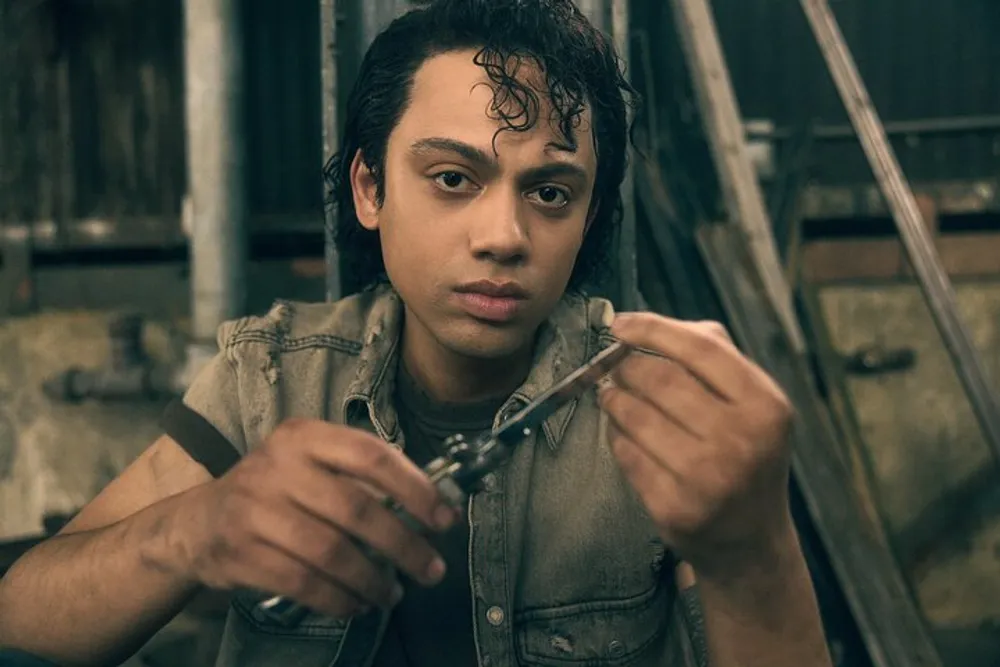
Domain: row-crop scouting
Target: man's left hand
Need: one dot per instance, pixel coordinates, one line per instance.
(701, 433)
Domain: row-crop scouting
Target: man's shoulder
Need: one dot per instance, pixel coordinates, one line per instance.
(296, 325)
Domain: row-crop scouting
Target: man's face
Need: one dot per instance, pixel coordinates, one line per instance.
(480, 244)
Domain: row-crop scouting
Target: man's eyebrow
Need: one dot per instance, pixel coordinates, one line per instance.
(468, 151)
(556, 170)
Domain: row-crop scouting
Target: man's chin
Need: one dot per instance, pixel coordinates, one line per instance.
(484, 340)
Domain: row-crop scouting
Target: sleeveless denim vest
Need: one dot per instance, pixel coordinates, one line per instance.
(566, 567)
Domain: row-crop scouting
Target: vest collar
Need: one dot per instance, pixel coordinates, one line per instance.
(564, 342)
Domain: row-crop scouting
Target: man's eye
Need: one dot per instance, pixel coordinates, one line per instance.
(549, 196)
(450, 180)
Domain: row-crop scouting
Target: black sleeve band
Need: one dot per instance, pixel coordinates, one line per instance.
(200, 440)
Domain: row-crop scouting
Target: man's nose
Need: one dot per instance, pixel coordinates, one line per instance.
(499, 232)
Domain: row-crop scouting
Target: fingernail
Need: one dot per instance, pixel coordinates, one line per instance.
(436, 570)
(444, 517)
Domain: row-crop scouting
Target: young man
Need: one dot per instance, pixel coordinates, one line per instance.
(478, 186)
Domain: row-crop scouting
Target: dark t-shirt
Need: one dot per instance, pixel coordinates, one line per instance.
(433, 626)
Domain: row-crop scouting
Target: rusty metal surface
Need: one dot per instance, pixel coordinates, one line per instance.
(59, 456)
(950, 197)
(920, 429)
(921, 438)
(961, 588)
(92, 111)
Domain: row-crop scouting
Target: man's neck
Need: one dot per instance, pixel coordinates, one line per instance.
(453, 378)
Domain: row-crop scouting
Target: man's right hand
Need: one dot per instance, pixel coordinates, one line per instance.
(287, 520)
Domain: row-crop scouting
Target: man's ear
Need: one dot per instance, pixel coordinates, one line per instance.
(365, 193)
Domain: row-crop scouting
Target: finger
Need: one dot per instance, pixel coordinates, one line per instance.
(657, 490)
(345, 504)
(685, 576)
(264, 567)
(326, 549)
(638, 421)
(713, 328)
(612, 430)
(710, 358)
(367, 458)
(673, 391)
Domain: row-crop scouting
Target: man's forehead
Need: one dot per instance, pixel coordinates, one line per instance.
(453, 96)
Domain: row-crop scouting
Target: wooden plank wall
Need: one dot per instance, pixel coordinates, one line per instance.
(91, 109)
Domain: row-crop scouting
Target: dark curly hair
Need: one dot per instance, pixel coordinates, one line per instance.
(580, 68)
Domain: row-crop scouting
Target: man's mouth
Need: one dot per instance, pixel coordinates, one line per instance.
(493, 301)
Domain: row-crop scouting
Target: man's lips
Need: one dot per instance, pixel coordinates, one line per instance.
(491, 301)
(494, 288)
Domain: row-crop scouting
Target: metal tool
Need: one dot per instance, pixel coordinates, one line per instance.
(460, 471)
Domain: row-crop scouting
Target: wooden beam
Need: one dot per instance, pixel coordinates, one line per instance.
(727, 138)
(962, 255)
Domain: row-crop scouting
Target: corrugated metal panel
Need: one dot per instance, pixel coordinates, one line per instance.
(91, 101)
(283, 108)
(91, 109)
(919, 59)
(92, 113)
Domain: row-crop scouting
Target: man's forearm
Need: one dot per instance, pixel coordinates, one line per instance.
(94, 597)
(764, 616)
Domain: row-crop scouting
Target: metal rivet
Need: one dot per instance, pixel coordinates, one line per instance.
(495, 616)
(616, 649)
(490, 482)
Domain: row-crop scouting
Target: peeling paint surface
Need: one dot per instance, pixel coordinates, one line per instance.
(918, 425)
(920, 435)
(62, 455)
(8, 441)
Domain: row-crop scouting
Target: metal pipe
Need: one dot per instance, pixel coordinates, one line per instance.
(216, 163)
(916, 239)
(916, 126)
(129, 375)
(328, 92)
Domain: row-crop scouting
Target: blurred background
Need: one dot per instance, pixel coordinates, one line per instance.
(161, 171)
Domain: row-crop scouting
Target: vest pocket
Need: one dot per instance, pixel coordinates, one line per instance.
(253, 639)
(607, 632)
(312, 625)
